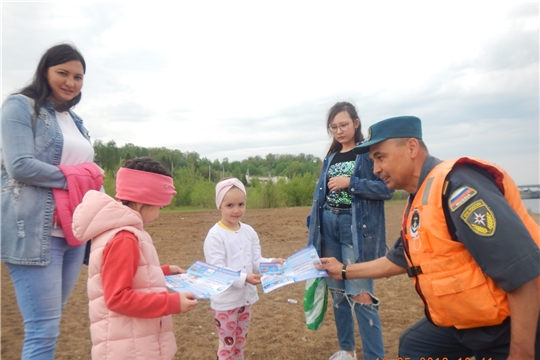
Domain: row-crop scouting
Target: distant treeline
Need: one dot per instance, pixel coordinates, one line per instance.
(195, 177)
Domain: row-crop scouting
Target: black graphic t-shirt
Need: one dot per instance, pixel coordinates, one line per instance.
(342, 165)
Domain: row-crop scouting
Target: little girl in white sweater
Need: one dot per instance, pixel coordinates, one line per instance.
(236, 246)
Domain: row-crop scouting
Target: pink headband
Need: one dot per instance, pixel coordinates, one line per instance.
(223, 186)
(144, 187)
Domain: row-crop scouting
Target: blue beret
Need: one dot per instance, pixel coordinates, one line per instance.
(396, 127)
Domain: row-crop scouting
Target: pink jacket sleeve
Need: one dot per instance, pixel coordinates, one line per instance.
(80, 179)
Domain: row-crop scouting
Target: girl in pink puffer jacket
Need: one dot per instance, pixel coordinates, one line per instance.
(130, 307)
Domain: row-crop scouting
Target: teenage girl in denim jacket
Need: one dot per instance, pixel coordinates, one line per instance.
(347, 222)
(40, 133)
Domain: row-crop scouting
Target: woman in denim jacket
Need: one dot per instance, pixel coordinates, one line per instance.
(347, 222)
(40, 133)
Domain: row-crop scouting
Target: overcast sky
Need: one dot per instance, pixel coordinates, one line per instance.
(232, 79)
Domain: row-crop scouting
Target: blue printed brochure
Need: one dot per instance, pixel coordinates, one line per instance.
(298, 267)
(203, 280)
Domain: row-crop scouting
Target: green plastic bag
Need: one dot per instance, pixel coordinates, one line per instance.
(315, 302)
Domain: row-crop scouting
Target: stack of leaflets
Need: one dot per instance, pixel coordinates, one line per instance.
(298, 267)
(203, 280)
(206, 280)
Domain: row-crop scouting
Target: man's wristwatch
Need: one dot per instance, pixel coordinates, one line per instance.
(344, 272)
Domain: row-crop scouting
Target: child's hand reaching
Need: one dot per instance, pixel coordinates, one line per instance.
(279, 260)
(176, 270)
(253, 279)
(187, 302)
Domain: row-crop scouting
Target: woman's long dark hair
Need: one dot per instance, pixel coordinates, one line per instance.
(336, 109)
(39, 89)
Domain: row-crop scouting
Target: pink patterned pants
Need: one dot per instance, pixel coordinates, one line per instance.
(232, 326)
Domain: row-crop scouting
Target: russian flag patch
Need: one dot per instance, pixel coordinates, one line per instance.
(460, 197)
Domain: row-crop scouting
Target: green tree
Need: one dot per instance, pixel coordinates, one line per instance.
(300, 190)
(193, 159)
(271, 196)
(238, 174)
(109, 183)
(295, 168)
(203, 194)
(98, 151)
(189, 169)
(184, 181)
(280, 168)
(110, 157)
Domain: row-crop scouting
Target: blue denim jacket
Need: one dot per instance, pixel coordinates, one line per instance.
(369, 235)
(29, 172)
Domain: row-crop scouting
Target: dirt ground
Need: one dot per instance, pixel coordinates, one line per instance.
(278, 330)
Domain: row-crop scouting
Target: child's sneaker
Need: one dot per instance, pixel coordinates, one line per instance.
(343, 355)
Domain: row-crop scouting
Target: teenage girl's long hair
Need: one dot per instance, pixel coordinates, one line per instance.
(336, 109)
(39, 89)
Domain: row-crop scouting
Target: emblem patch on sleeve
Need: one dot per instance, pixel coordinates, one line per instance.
(479, 217)
(460, 197)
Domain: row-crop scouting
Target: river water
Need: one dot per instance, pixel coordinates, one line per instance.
(532, 205)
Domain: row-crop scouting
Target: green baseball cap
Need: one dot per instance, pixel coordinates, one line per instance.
(396, 127)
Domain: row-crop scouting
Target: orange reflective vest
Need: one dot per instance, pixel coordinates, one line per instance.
(455, 291)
